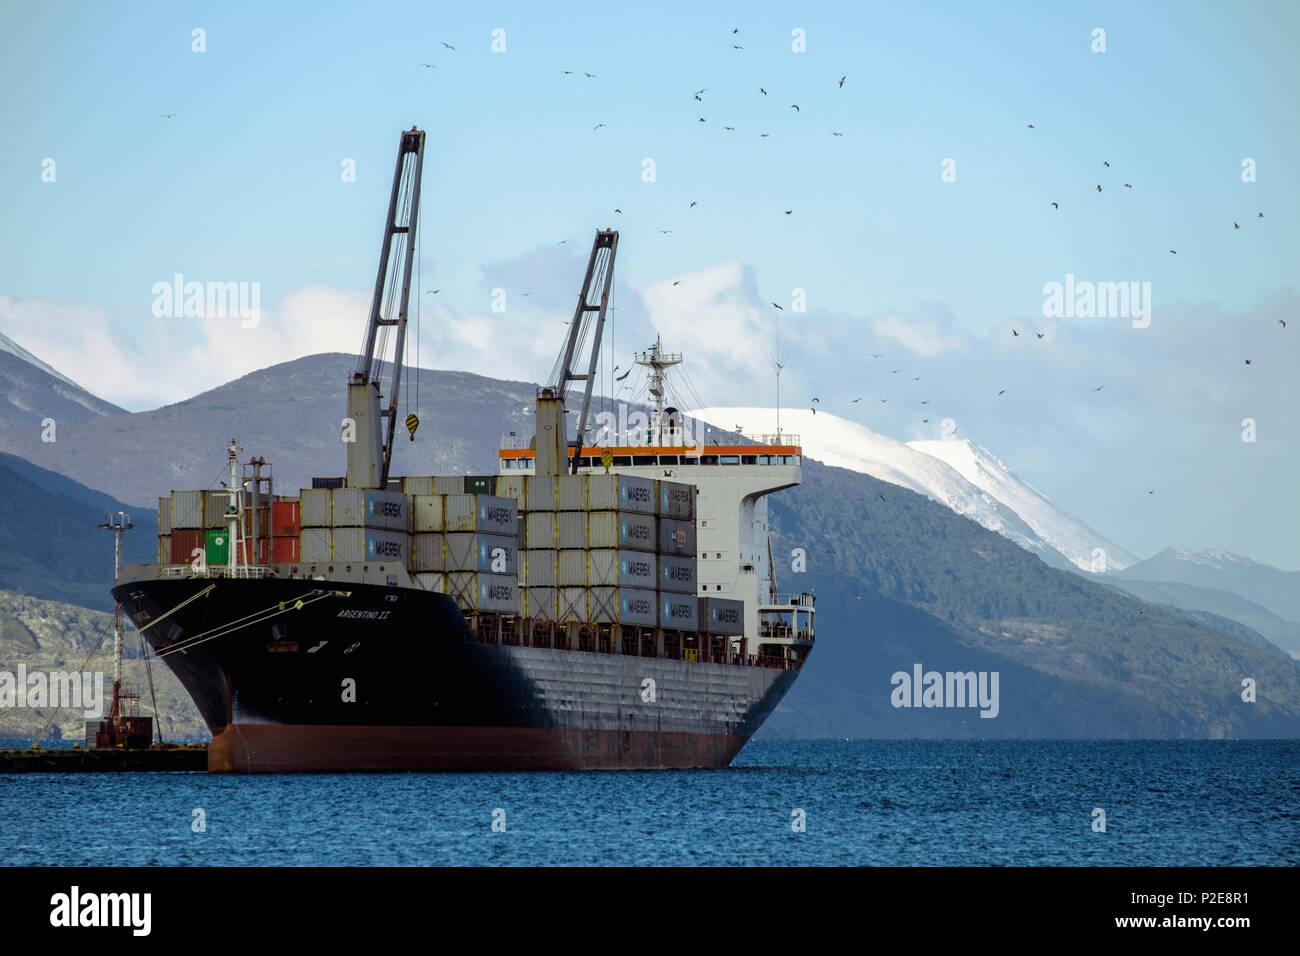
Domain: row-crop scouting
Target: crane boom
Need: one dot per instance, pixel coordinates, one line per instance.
(370, 445)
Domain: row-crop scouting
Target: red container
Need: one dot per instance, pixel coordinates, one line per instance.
(286, 519)
(184, 541)
(263, 547)
(285, 550)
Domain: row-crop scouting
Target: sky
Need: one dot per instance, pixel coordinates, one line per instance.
(925, 232)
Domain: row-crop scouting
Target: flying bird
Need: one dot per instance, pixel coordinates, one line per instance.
(1173, 252)
(735, 46)
(916, 378)
(598, 126)
(894, 371)
(619, 211)
(1099, 189)
(833, 133)
(1247, 361)
(882, 400)
(763, 135)
(1055, 206)
(432, 291)
(567, 72)
(170, 115)
(701, 119)
(447, 45)
(590, 76)
(562, 242)
(1039, 334)
(705, 90)
(1282, 322)
(1260, 216)
(623, 376)
(777, 307)
(789, 212)
(665, 232)
(1014, 332)
(735, 31)
(1235, 226)
(795, 107)
(1031, 125)
(877, 354)
(429, 66)
(816, 399)
(842, 79)
(813, 410)
(1128, 185)
(926, 402)
(763, 91)
(855, 401)
(1106, 164)
(1003, 392)
(1099, 388)
(678, 282)
(692, 205)
(732, 128)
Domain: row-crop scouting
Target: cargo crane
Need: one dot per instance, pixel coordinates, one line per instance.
(555, 454)
(370, 442)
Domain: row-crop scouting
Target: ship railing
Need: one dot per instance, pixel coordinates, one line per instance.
(215, 571)
(781, 438)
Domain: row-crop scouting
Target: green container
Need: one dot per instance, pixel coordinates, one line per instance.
(216, 546)
(480, 484)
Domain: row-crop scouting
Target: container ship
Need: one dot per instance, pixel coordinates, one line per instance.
(595, 604)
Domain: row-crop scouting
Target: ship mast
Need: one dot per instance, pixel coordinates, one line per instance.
(370, 444)
(658, 361)
(118, 523)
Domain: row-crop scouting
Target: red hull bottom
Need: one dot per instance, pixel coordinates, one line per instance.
(272, 748)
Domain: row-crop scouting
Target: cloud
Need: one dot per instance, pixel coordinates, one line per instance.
(919, 334)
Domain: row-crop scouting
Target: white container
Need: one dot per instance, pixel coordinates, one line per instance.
(539, 568)
(498, 593)
(315, 545)
(679, 612)
(541, 604)
(489, 513)
(418, 486)
(676, 499)
(540, 530)
(217, 509)
(449, 485)
(540, 492)
(608, 567)
(165, 515)
(491, 553)
(573, 605)
(317, 507)
(725, 616)
(606, 529)
(678, 574)
(573, 569)
(426, 513)
(513, 486)
(431, 581)
(426, 553)
(187, 509)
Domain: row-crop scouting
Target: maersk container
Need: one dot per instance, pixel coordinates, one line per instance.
(621, 492)
(431, 581)
(540, 492)
(418, 486)
(218, 508)
(494, 553)
(480, 513)
(497, 593)
(387, 509)
(187, 510)
(572, 605)
(165, 515)
(676, 536)
(611, 605)
(371, 544)
(724, 616)
(317, 507)
(426, 553)
(426, 513)
(541, 604)
(606, 529)
(480, 484)
(679, 612)
(678, 574)
(216, 546)
(676, 499)
(540, 568)
(315, 544)
(607, 567)
(449, 485)
(540, 530)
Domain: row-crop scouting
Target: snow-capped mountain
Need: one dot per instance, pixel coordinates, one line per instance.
(1270, 587)
(960, 474)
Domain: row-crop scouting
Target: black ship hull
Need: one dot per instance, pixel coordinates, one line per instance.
(306, 675)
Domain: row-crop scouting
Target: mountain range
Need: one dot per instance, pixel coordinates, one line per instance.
(900, 576)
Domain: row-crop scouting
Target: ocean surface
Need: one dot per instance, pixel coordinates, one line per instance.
(863, 802)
